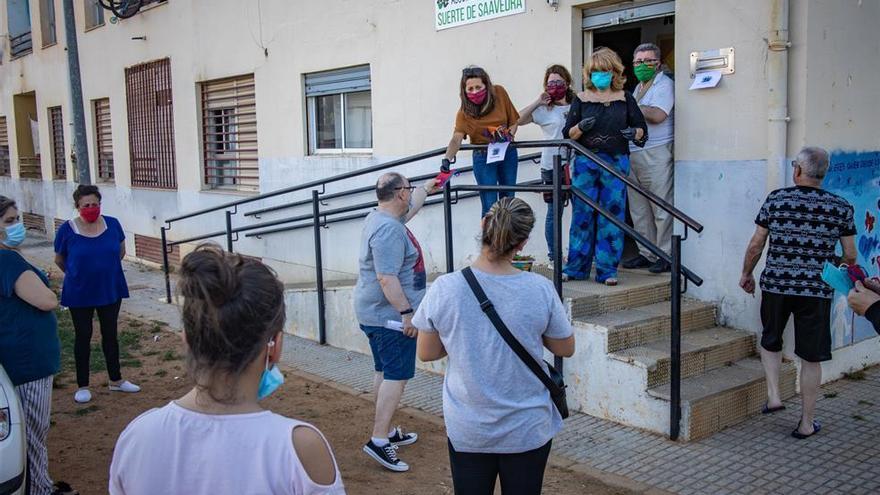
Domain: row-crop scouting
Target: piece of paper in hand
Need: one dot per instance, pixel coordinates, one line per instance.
(394, 325)
(496, 151)
(706, 79)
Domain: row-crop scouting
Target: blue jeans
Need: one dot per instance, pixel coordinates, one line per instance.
(548, 231)
(394, 354)
(501, 173)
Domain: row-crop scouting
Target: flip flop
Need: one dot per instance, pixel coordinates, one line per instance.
(771, 410)
(817, 427)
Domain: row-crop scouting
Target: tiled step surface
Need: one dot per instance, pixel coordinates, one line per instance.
(638, 326)
(725, 396)
(634, 290)
(701, 351)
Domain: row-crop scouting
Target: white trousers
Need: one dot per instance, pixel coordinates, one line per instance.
(652, 170)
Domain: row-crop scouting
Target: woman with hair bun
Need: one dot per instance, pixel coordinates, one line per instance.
(499, 416)
(217, 438)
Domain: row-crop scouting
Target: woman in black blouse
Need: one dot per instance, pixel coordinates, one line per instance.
(604, 118)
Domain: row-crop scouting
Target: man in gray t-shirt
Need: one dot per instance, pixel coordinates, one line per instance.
(391, 284)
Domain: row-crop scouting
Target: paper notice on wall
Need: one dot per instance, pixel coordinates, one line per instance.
(706, 79)
(35, 135)
(496, 151)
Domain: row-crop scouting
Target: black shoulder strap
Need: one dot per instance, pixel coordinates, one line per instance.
(488, 308)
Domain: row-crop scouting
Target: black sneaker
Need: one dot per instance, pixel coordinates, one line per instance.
(660, 266)
(386, 456)
(636, 263)
(400, 438)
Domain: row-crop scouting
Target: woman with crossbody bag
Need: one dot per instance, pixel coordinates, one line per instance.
(500, 416)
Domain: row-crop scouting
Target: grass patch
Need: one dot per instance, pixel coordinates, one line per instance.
(159, 323)
(150, 353)
(131, 363)
(855, 375)
(160, 373)
(86, 410)
(170, 356)
(830, 395)
(135, 323)
(128, 341)
(865, 403)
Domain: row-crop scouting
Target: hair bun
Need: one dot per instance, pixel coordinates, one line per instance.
(206, 274)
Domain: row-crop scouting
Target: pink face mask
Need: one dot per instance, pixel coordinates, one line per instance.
(479, 97)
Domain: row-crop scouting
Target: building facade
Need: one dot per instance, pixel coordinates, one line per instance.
(194, 103)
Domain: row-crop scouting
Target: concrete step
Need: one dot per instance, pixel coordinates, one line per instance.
(725, 396)
(701, 351)
(639, 326)
(634, 290)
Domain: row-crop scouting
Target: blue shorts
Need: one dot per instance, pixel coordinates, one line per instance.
(394, 354)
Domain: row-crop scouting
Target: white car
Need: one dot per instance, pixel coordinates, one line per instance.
(13, 445)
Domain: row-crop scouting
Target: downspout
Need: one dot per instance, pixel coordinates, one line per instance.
(777, 94)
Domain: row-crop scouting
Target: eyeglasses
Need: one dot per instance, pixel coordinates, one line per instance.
(645, 61)
(556, 83)
(471, 72)
(408, 188)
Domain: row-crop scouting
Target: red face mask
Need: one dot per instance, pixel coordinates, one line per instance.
(90, 213)
(557, 92)
(479, 97)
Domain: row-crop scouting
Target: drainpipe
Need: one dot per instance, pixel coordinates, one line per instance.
(777, 96)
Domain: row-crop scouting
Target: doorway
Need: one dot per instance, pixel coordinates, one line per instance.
(622, 29)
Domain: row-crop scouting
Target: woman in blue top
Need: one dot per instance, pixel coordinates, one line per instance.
(29, 348)
(89, 250)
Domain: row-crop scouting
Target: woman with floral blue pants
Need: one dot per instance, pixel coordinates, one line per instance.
(604, 118)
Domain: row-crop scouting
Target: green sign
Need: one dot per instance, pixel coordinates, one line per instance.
(453, 13)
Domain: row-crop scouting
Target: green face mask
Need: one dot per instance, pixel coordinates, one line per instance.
(644, 72)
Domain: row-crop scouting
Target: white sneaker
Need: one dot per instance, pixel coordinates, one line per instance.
(82, 396)
(126, 386)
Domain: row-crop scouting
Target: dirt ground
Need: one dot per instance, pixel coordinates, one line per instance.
(82, 437)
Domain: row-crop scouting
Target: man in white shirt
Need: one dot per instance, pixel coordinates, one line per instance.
(651, 166)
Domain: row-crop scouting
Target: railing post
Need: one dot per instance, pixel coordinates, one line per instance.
(229, 231)
(165, 267)
(447, 225)
(675, 344)
(319, 269)
(557, 236)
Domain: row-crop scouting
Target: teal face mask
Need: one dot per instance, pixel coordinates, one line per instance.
(271, 379)
(15, 234)
(602, 80)
(837, 278)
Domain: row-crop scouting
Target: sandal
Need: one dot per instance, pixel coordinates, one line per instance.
(770, 410)
(817, 427)
(62, 488)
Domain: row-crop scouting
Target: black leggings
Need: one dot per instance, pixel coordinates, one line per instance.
(82, 325)
(521, 474)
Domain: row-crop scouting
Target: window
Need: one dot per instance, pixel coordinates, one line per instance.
(47, 22)
(4, 148)
(104, 138)
(340, 110)
(229, 133)
(94, 14)
(151, 125)
(56, 128)
(18, 17)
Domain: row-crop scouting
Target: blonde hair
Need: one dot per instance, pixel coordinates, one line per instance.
(605, 60)
(506, 226)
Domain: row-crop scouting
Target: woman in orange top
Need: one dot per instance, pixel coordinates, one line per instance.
(486, 115)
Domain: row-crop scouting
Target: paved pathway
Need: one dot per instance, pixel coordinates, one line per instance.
(754, 457)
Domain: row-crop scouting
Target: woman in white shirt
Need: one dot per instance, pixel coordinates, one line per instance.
(549, 112)
(217, 439)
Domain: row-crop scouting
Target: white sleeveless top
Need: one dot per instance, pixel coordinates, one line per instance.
(173, 450)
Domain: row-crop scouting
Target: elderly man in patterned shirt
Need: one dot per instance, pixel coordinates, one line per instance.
(804, 223)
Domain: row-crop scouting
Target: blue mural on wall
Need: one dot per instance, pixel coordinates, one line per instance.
(856, 177)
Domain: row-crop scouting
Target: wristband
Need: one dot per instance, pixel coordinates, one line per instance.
(407, 312)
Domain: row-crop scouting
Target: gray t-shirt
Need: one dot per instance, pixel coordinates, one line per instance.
(387, 247)
(493, 403)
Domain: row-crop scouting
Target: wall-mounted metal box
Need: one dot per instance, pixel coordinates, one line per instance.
(720, 59)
